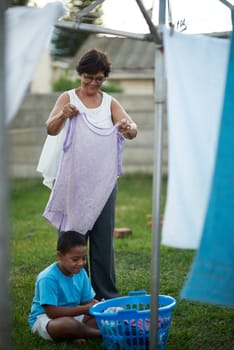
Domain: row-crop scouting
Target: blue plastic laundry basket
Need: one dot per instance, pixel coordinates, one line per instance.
(125, 322)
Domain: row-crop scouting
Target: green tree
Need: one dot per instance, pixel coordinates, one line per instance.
(65, 42)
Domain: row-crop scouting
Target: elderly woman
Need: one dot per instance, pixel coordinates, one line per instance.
(83, 196)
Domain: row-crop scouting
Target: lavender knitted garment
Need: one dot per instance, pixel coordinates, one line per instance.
(88, 172)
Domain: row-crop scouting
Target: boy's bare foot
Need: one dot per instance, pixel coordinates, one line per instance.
(79, 341)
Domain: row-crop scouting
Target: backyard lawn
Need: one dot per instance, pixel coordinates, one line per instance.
(194, 326)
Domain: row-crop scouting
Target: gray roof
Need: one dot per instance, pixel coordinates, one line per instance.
(125, 54)
(128, 56)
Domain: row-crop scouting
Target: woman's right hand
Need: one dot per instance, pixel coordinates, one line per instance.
(61, 111)
(69, 110)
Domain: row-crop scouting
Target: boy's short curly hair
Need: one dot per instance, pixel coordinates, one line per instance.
(70, 239)
(94, 61)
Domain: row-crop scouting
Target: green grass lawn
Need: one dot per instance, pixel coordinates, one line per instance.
(194, 326)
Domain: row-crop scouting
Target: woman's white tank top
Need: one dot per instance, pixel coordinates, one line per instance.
(100, 116)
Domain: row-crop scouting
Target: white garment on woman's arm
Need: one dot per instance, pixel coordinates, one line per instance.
(51, 156)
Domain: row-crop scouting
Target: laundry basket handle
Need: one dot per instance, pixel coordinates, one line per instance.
(137, 292)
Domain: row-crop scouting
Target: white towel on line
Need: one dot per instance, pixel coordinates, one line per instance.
(28, 31)
(196, 72)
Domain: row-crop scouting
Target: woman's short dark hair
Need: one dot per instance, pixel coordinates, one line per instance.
(94, 61)
(68, 240)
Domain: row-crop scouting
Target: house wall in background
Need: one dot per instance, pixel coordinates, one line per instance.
(27, 134)
(41, 81)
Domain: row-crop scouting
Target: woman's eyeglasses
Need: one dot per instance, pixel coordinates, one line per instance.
(90, 78)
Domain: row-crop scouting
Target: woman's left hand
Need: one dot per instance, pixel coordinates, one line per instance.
(128, 129)
(124, 126)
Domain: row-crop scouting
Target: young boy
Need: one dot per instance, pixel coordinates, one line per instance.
(63, 295)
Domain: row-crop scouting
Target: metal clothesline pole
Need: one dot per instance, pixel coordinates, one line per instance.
(88, 8)
(4, 197)
(99, 29)
(152, 36)
(154, 33)
(159, 100)
(227, 3)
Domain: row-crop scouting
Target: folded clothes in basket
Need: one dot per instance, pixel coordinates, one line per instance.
(140, 324)
(114, 309)
(132, 334)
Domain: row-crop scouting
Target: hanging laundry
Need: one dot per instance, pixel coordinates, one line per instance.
(195, 72)
(28, 31)
(212, 275)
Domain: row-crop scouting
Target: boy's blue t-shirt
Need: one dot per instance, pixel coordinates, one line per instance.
(54, 288)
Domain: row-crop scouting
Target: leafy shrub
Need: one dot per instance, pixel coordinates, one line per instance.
(64, 83)
(110, 87)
